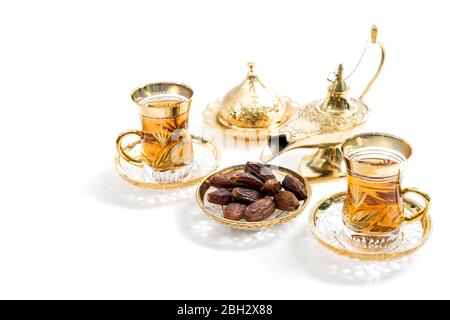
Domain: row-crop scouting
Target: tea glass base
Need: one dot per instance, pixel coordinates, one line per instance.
(327, 226)
(369, 243)
(168, 176)
(206, 160)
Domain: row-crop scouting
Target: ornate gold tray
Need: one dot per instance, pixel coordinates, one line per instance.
(206, 160)
(325, 222)
(278, 217)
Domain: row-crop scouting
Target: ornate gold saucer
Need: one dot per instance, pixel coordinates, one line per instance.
(323, 124)
(326, 224)
(278, 217)
(250, 111)
(206, 160)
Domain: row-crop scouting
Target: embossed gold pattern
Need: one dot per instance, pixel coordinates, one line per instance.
(252, 105)
(250, 110)
(252, 134)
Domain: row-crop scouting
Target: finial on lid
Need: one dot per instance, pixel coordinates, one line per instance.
(340, 72)
(338, 85)
(251, 65)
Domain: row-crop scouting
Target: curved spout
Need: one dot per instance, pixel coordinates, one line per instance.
(279, 143)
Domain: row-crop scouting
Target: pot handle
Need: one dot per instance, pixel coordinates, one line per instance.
(373, 38)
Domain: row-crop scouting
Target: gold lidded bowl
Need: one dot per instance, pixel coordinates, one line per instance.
(251, 109)
(252, 104)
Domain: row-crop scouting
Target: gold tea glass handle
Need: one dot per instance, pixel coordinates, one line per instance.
(123, 151)
(421, 213)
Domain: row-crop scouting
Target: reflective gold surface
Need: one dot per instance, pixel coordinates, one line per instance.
(252, 105)
(325, 164)
(373, 37)
(250, 111)
(395, 150)
(145, 97)
(211, 112)
(336, 101)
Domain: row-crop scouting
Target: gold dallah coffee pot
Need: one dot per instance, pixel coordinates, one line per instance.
(324, 124)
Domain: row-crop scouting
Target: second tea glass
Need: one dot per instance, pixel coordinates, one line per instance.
(373, 209)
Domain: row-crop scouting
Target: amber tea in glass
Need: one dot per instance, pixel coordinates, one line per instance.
(373, 208)
(166, 144)
(165, 141)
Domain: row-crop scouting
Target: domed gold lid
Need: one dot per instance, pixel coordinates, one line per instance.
(252, 105)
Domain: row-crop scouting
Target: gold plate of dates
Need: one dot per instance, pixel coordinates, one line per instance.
(326, 223)
(206, 160)
(278, 217)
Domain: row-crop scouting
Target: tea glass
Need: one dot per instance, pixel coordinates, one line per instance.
(166, 146)
(373, 209)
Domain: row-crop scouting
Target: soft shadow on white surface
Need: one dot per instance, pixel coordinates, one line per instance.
(109, 187)
(200, 228)
(330, 267)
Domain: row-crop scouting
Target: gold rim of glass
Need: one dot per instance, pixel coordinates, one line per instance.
(392, 141)
(143, 95)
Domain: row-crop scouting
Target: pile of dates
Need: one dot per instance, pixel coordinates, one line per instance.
(255, 193)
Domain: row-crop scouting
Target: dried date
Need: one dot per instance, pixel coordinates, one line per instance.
(234, 211)
(259, 170)
(259, 210)
(295, 186)
(271, 186)
(222, 181)
(220, 196)
(245, 195)
(243, 179)
(286, 201)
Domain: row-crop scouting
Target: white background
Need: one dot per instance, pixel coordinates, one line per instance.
(71, 228)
